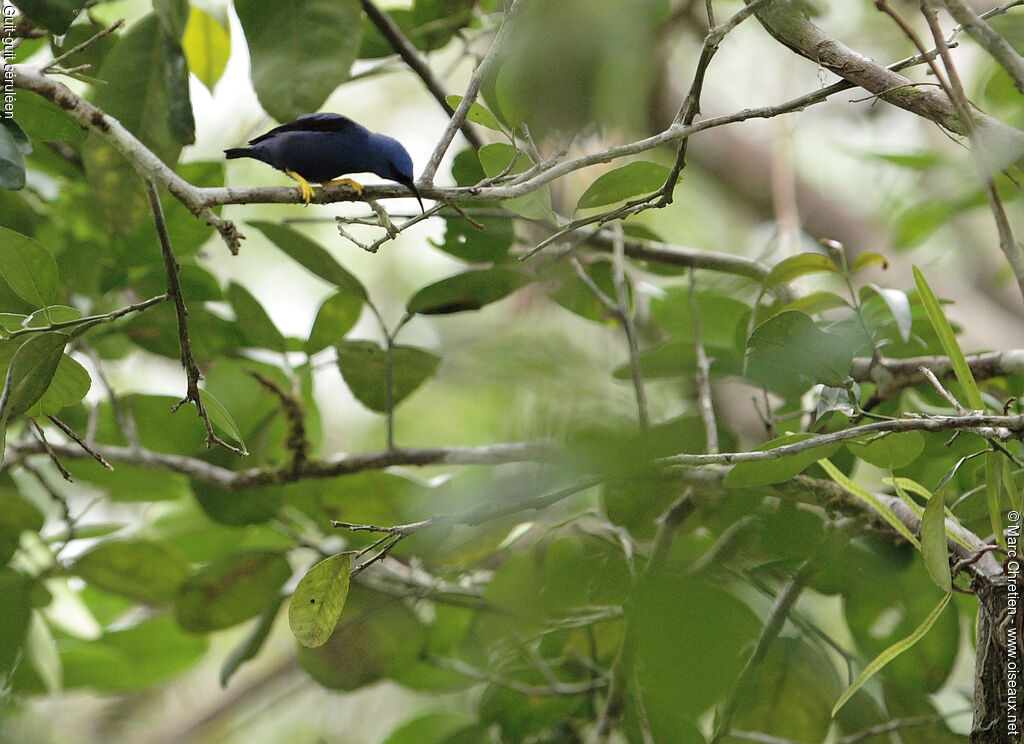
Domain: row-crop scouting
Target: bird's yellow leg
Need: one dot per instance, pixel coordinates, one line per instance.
(357, 187)
(304, 188)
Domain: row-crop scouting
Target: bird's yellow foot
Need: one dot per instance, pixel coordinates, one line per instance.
(357, 187)
(304, 188)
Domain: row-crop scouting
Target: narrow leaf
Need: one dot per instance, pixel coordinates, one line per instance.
(993, 485)
(891, 653)
(864, 495)
(933, 542)
(319, 599)
(253, 642)
(949, 343)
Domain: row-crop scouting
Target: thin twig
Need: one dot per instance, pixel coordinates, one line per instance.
(188, 361)
(53, 455)
(81, 442)
(52, 66)
(628, 326)
(138, 307)
(554, 688)
(690, 107)
(784, 601)
(411, 56)
(472, 90)
(930, 376)
(954, 91)
(996, 45)
(705, 401)
(291, 407)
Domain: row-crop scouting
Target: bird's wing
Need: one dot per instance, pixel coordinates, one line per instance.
(310, 123)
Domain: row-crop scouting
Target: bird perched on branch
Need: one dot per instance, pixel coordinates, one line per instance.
(321, 147)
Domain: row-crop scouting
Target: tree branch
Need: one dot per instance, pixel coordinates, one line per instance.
(411, 56)
(145, 162)
(1000, 49)
(787, 25)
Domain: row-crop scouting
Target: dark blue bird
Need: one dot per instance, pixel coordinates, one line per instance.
(321, 147)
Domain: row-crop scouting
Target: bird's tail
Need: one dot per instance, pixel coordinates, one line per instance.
(237, 152)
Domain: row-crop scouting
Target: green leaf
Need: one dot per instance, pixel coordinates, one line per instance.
(138, 569)
(632, 179)
(363, 365)
(12, 162)
(381, 638)
(949, 343)
(257, 327)
(891, 451)
(499, 158)
(230, 590)
(336, 317)
(28, 268)
(933, 542)
(253, 642)
(70, 383)
(866, 496)
(749, 474)
(311, 255)
(477, 113)
(131, 659)
(41, 653)
(319, 599)
(207, 46)
(891, 653)
(470, 290)
(788, 353)
(221, 419)
(45, 121)
(300, 50)
(797, 266)
(899, 306)
(817, 302)
(143, 83)
(432, 728)
(55, 15)
(993, 485)
(32, 368)
(180, 116)
(173, 15)
(468, 242)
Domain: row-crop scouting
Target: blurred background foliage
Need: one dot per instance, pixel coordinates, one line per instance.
(147, 602)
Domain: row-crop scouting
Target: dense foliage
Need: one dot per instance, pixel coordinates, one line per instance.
(528, 448)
